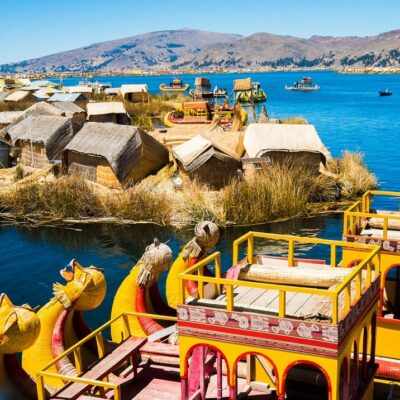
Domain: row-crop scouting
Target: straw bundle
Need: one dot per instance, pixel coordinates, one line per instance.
(315, 276)
(105, 176)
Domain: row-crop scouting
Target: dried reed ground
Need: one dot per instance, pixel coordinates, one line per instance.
(280, 191)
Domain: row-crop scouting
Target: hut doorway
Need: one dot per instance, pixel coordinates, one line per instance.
(306, 381)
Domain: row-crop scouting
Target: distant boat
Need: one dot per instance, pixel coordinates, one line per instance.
(303, 85)
(385, 92)
(220, 92)
(176, 85)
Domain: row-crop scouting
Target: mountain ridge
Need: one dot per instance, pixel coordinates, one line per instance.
(193, 49)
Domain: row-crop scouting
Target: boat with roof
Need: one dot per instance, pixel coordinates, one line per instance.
(176, 85)
(305, 84)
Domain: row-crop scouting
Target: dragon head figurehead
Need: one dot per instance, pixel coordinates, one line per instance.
(85, 288)
(19, 326)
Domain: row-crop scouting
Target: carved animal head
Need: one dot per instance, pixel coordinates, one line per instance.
(19, 326)
(85, 288)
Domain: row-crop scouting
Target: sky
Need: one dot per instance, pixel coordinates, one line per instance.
(34, 28)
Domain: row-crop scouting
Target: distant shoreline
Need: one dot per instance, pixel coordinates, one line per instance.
(355, 71)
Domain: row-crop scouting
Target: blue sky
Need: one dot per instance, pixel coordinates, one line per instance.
(33, 28)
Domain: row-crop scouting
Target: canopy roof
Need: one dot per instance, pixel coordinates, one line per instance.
(260, 139)
(109, 107)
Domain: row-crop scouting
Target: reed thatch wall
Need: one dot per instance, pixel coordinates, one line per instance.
(33, 155)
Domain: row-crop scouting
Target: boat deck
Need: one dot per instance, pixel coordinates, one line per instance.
(302, 306)
(378, 233)
(154, 382)
(298, 305)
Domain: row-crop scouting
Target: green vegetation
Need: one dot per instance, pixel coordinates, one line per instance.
(278, 191)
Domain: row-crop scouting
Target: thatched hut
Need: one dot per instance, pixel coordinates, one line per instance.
(8, 117)
(286, 142)
(113, 155)
(79, 99)
(84, 89)
(20, 96)
(137, 93)
(110, 111)
(40, 140)
(71, 110)
(211, 159)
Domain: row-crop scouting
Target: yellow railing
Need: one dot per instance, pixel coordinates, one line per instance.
(196, 274)
(75, 350)
(356, 214)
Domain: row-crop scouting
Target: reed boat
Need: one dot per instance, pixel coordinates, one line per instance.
(202, 112)
(303, 85)
(248, 92)
(264, 326)
(176, 85)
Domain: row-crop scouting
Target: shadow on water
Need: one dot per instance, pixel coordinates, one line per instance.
(30, 259)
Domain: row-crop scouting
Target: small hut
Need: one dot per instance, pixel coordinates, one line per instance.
(71, 110)
(113, 155)
(84, 89)
(137, 93)
(111, 111)
(40, 140)
(20, 96)
(79, 99)
(112, 92)
(8, 117)
(212, 159)
(286, 142)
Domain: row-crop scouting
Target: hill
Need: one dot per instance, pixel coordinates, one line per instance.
(188, 49)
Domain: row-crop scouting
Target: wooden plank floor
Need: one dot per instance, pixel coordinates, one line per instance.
(298, 305)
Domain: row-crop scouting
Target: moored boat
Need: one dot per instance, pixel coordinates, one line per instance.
(303, 85)
(202, 112)
(248, 92)
(176, 85)
(219, 92)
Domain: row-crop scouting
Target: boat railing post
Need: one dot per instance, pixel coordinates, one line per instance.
(127, 328)
(282, 303)
(200, 283)
(78, 360)
(250, 248)
(218, 272)
(41, 392)
(229, 297)
(333, 255)
(100, 345)
(385, 227)
(291, 253)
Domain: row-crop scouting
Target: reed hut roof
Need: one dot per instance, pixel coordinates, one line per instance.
(242, 84)
(120, 145)
(3, 95)
(8, 117)
(135, 88)
(230, 143)
(42, 108)
(78, 89)
(102, 108)
(112, 91)
(194, 153)
(67, 97)
(260, 139)
(53, 132)
(68, 107)
(19, 95)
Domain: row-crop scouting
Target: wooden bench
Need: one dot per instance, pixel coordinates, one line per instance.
(102, 368)
(160, 353)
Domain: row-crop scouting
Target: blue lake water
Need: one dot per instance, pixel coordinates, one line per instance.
(348, 114)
